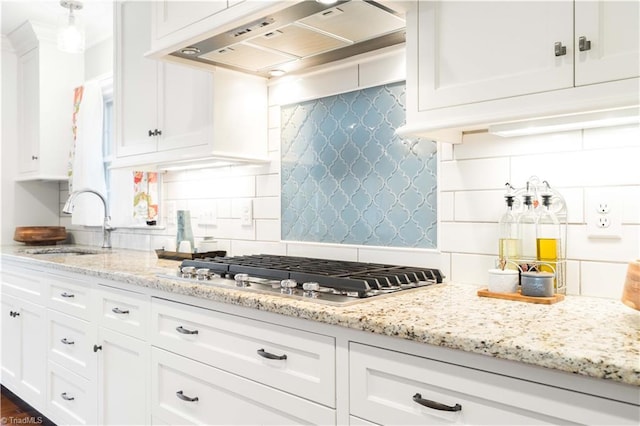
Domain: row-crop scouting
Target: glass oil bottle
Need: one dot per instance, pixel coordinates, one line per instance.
(527, 224)
(508, 241)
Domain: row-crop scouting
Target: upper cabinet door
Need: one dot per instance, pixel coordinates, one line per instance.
(185, 107)
(136, 81)
(607, 41)
(465, 57)
(175, 15)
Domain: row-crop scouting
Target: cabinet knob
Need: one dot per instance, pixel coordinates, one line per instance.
(559, 49)
(158, 132)
(97, 348)
(584, 44)
(151, 133)
(34, 157)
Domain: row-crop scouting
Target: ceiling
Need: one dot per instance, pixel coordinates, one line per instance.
(96, 14)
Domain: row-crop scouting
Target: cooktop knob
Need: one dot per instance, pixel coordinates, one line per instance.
(242, 280)
(310, 289)
(202, 274)
(188, 272)
(287, 286)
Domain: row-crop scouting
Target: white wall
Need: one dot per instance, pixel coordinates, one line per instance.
(98, 59)
(23, 203)
(472, 178)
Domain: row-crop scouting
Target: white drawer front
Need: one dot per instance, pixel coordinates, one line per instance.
(233, 343)
(222, 398)
(123, 311)
(71, 343)
(26, 286)
(383, 384)
(70, 296)
(70, 398)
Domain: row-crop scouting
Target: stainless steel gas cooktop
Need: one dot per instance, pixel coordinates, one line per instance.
(320, 280)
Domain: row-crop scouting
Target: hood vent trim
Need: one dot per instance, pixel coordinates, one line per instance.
(301, 36)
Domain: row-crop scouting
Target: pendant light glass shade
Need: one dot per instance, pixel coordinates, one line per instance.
(70, 30)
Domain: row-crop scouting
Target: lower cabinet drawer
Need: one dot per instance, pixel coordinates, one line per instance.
(123, 311)
(71, 343)
(70, 295)
(22, 284)
(291, 360)
(70, 398)
(388, 387)
(189, 392)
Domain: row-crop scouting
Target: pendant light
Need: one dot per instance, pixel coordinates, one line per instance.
(70, 31)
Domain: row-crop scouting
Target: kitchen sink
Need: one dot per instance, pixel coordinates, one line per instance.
(61, 251)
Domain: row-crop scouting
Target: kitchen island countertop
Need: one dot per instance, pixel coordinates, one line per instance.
(588, 336)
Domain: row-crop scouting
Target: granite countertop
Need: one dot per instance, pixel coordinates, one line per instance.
(588, 336)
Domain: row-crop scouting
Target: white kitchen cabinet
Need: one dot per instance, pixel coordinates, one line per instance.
(167, 112)
(123, 379)
(71, 399)
(70, 343)
(122, 357)
(463, 77)
(461, 61)
(159, 106)
(46, 79)
(23, 349)
(185, 391)
(612, 29)
(389, 387)
(294, 361)
(170, 15)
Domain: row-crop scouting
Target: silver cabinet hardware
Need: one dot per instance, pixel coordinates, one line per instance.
(182, 330)
(559, 49)
(584, 44)
(269, 355)
(119, 311)
(183, 397)
(67, 342)
(97, 348)
(66, 397)
(67, 295)
(435, 405)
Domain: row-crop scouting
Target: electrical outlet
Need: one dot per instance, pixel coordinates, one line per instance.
(246, 213)
(603, 214)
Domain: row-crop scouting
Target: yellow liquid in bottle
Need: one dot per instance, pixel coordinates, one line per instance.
(547, 251)
(508, 250)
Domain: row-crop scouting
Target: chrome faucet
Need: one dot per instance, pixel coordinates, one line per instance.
(106, 226)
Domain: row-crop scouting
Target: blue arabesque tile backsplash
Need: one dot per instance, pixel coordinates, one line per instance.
(347, 178)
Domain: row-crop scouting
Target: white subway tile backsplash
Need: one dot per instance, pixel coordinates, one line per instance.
(600, 279)
(460, 237)
(490, 173)
(472, 268)
(233, 230)
(606, 138)
(573, 277)
(446, 206)
(268, 185)
(267, 230)
(580, 246)
(616, 166)
(479, 206)
(323, 251)
(266, 208)
(242, 248)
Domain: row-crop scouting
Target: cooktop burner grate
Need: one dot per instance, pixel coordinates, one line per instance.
(340, 275)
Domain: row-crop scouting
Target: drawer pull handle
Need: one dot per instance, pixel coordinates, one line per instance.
(183, 397)
(66, 397)
(181, 329)
(435, 405)
(65, 294)
(67, 342)
(268, 355)
(119, 311)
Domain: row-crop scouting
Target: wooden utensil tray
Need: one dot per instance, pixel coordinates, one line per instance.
(483, 292)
